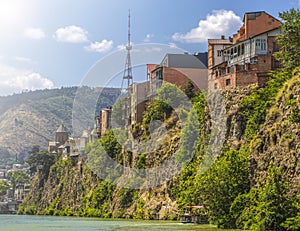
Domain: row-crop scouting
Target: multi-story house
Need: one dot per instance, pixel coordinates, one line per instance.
(246, 58)
(178, 69)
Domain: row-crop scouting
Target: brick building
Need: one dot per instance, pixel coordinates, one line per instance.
(178, 69)
(103, 121)
(246, 58)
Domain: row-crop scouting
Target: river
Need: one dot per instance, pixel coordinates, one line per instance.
(48, 223)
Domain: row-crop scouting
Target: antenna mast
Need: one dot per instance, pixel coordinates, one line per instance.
(128, 69)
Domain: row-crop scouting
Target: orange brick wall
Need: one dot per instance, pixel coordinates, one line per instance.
(180, 79)
(262, 23)
(175, 77)
(210, 55)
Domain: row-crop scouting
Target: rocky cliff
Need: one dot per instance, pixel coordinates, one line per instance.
(75, 188)
(278, 139)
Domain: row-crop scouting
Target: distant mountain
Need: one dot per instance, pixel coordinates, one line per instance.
(32, 118)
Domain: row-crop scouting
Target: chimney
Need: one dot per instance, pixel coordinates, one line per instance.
(222, 37)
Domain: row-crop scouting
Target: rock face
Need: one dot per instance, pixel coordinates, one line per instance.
(71, 182)
(65, 188)
(71, 185)
(279, 137)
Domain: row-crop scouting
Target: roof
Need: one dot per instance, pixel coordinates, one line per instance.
(220, 41)
(256, 14)
(203, 57)
(62, 128)
(182, 61)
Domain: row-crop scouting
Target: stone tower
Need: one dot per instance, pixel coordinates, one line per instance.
(61, 135)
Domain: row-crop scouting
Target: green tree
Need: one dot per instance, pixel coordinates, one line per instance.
(18, 177)
(293, 221)
(169, 97)
(110, 144)
(289, 41)
(40, 160)
(189, 89)
(266, 207)
(222, 183)
(273, 205)
(3, 187)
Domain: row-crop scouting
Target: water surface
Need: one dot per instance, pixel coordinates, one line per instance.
(48, 223)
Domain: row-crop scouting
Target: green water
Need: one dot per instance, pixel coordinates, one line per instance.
(45, 223)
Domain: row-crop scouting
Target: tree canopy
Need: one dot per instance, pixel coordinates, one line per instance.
(289, 40)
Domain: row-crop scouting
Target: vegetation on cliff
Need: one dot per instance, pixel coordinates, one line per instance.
(251, 184)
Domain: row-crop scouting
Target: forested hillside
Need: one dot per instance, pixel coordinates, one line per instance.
(31, 118)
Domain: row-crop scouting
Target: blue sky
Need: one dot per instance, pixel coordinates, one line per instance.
(49, 44)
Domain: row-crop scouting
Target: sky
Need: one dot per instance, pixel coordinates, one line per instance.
(50, 44)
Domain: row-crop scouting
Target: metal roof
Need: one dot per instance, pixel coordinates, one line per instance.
(182, 61)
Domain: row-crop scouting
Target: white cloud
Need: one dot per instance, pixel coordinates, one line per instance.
(15, 80)
(71, 34)
(148, 49)
(34, 33)
(23, 59)
(220, 22)
(148, 37)
(100, 47)
(173, 45)
(121, 47)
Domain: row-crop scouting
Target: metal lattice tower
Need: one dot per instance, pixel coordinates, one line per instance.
(128, 69)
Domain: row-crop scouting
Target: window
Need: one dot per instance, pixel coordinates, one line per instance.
(228, 70)
(275, 47)
(257, 43)
(228, 82)
(219, 53)
(223, 71)
(263, 45)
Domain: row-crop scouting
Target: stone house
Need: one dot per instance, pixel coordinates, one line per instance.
(246, 58)
(61, 136)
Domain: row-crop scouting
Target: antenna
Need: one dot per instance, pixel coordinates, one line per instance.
(128, 69)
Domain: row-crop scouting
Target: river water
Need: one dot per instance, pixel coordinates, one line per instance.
(48, 223)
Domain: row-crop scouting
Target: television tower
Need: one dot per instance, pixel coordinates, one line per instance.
(128, 69)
